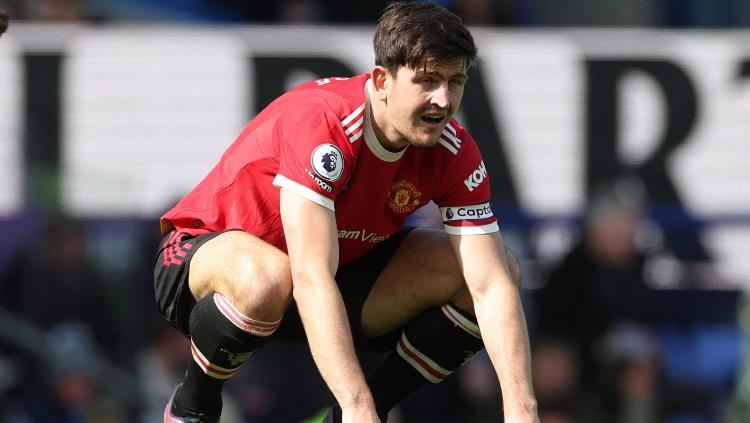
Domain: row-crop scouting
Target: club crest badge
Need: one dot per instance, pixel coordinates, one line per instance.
(328, 162)
(404, 197)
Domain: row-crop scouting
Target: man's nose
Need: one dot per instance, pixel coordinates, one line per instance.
(440, 96)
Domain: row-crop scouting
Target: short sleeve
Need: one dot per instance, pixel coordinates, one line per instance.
(315, 159)
(464, 192)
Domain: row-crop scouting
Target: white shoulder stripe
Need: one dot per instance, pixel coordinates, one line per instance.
(451, 128)
(356, 136)
(452, 138)
(448, 145)
(354, 114)
(282, 181)
(353, 127)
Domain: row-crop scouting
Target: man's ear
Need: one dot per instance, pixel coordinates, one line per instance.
(381, 78)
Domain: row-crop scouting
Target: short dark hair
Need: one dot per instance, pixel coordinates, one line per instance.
(411, 33)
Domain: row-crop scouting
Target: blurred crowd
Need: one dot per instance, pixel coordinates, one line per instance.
(638, 13)
(81, 340)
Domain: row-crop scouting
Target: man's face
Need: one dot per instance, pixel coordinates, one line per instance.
(421, 101)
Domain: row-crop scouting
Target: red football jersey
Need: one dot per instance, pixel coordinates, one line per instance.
(317, 140)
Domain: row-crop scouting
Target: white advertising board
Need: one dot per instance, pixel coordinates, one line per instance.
(147, 111)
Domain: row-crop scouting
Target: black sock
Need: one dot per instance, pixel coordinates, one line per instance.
(431, 347)
(222, 339)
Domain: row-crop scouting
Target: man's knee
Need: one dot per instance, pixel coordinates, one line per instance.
(262, 287)
(253, 275)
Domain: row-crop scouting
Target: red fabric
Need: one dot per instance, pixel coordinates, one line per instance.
(372, 197)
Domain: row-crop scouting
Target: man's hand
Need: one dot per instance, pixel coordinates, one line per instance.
(498, 309)
(3, 22)
(312, 242)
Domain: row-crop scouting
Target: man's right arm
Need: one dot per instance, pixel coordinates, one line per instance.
(311, 237)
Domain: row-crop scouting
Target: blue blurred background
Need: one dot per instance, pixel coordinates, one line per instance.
(616, 134)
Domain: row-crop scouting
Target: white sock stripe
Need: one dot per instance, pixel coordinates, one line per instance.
(204, 361)
(426, 374)
(244, 318)
(423, 364)
(216, 372)
(459, 320)
(243, 322)
(426, 359)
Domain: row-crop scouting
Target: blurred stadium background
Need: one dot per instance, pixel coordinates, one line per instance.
(616, 133)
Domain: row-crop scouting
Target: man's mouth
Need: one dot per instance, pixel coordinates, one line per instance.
(433, 118)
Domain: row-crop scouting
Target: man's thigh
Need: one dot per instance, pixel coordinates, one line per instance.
(355, 280)
(234, 263)
(171, 265)
(422, 273)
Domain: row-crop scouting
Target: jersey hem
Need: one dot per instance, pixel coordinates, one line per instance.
(282, 181)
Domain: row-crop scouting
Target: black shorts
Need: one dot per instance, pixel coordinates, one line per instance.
(171, 266)
(355, 280)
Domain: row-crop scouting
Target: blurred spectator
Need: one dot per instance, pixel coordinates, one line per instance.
(299, 12)
(284, 11)
(10, 9)
(599, 286)
(740, 409)
(60, 381)
(479, 390)
(641, 13)
(159, 367)
(556, 377)
(484, 12)
(46, 10)
(51, 282)
(631, 363)
(57, 10)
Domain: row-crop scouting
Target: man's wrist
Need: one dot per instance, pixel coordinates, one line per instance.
(520, 410)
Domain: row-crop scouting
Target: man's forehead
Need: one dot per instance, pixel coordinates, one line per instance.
(455, 67)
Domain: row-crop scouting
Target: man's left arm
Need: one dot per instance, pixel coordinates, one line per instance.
(497, 305)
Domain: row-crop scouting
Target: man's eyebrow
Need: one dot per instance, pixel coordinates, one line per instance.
(436, 73)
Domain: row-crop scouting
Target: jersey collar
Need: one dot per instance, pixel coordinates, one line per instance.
(370, 139)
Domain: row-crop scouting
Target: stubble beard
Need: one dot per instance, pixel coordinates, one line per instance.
(420, 137)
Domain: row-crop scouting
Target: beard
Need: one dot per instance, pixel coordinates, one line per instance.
(426, 141)
(421, 136)
(415, 131)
